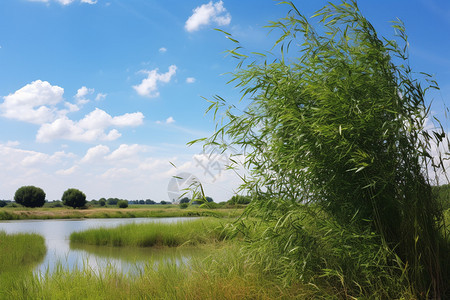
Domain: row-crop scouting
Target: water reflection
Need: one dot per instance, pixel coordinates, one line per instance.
(60, 252)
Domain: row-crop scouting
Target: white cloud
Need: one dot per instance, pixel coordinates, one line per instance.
(190, 80)
(100, 96)
(12, 143)
(125, 152)
(83, 92)
(207, 14)
(89, 129)
(33, 103)
(149, 86)
(68, 171)
(169, 120)
(162, 50)
(95, 153)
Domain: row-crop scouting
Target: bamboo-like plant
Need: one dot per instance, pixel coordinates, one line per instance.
(336, 123)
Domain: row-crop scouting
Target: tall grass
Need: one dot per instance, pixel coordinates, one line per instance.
(134, 211)
(336, 121)
(201, 231)
(223, 275)
(18, 250)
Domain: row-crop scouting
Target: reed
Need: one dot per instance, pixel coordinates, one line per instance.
(17, 250)
(202, 231)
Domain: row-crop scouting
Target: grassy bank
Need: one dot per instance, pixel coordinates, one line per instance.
(223, 275)
(202, 231)
(134, 211)
(20, 250)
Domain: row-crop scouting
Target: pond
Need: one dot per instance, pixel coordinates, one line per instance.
(60, 252)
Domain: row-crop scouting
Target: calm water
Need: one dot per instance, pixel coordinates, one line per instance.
(59, 251)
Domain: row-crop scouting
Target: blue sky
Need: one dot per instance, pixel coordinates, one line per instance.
(103, 95)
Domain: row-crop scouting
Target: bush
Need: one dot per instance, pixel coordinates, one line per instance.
(342, 128)
(30, 196)
(210, 205)
(112, 201)
(3, 203)
(74, 198)
(239, 199)
(122, 203)
(102, 202)
(185, 200)
(184, 205)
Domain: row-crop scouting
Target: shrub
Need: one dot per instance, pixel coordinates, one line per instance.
(3, 203)
(122, 203)
(341, 128)
(74, 198)
(184, 205)
(30, 196)
(102, 202)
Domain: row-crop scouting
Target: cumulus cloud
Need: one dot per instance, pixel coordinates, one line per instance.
(89, 129)
(95, 153)
(149, 86)
(68, 171)
(169, 120)
(206, 14)
(125, 152)
(190, 80)
(100, 96)
(82, 93)
(162, 50)
(33, 103)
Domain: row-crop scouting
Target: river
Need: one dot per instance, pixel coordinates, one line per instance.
(60, 252)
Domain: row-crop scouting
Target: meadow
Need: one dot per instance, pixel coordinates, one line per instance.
(133, 211)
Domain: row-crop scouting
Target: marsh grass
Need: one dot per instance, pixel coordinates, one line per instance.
(222, 275)
(133, 211)
(202, 231)
(18, 250)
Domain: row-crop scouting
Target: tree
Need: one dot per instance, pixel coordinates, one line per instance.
(185, 200)
(30, 196)
(102, 201)
(338, 126)
(149, 201)
(122, 203)
(74, 198)
(239, 199)
(112, 201)
(3, 203)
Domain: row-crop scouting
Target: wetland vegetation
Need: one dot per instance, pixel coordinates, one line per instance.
(342, 205)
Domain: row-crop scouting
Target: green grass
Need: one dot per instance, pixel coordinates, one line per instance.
(20, 250)
(222, 275)
(202, 231)
(133, 211)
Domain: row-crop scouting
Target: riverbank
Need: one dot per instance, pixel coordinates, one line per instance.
(133, 211)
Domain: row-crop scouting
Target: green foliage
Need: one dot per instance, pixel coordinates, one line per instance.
(74, 198)
(185, 200)
(113, 201)
(55, 203)
(239, 199)
(339, 125)
(102, 202)
(30, 196)
(122, 204)
(3, 203)
(195, 232)
(183, 205)
(19, 250)
(443, 195)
